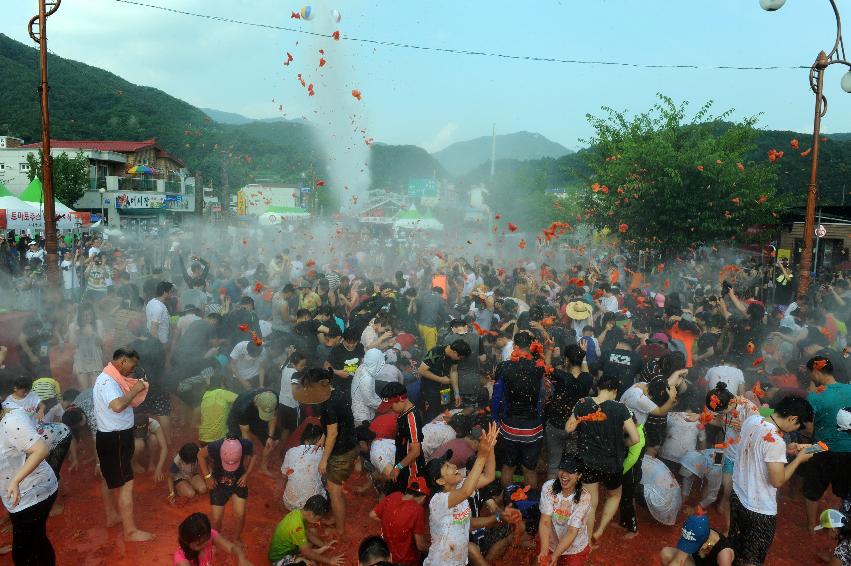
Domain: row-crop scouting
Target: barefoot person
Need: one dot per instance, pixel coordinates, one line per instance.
(115, 395)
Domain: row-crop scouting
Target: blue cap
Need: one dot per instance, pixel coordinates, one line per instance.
(694, 534)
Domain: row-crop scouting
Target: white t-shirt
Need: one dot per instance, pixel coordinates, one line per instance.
(506, 350)
(450, 531)
(682, 437)
(301, 466)
(17, 435)
(662, 493)
(436, 434)
(365, 400)
(469, 282)
(296, 269)
(368, 336)
(70, 279)
(246, 366)
(382, 453)
(609, 304)
(286, 397)
(28, 404)
(640, 404)
(156, 311)
(750, 476)
(105, 391)
(732, 376)
(564, 514)
(390, 373)
(733, 423)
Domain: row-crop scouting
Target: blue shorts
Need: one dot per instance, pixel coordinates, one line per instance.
(728, 466)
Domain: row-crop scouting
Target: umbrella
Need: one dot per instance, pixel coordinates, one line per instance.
(141, 170)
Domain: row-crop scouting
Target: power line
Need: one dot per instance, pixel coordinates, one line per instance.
(454, 51)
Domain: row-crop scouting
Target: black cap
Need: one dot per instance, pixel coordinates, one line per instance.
(570, 463)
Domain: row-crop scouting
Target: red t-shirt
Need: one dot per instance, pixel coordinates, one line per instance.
(461, 451)
(401, 519)
(384, 426)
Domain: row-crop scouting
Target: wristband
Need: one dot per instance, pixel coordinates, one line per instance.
(208, 476)
(399, 466)
(170, 495)
(498, 519)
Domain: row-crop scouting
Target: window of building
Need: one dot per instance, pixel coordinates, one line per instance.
(2, 166)
(24, 167)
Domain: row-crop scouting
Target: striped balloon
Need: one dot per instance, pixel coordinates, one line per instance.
(306, 13)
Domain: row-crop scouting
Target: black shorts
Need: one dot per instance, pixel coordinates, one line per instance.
(287, 418)
(220, 494)
(827, 468)
(751, 533)
(486, 538)
(610, 480)
(511, 452)
(115, 453)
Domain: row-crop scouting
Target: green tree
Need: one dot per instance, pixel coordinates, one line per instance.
(70, 175)
(664, 181)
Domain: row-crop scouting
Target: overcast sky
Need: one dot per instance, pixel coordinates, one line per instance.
(433, 99)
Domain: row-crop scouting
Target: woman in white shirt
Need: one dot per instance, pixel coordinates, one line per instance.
(365, 400)
(300, 469)
(28, 487)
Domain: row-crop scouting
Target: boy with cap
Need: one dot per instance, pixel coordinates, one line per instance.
(232, 462)
(838, 520)
(410, 461)
(253, 416)
(403, 522)
(699, 545)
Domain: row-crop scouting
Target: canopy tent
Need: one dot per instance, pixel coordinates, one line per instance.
(34, 195)
(8, 201)
(277, 214)
(414, 220)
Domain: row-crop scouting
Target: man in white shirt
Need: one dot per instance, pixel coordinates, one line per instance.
(608, 302)
(729, 374)
(156, 313)
(35, 252)
(70, 276)
(246, 361)
(114, 440)
(760, 470)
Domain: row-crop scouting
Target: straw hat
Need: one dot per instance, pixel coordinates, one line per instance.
(312, 393)
(578, 310)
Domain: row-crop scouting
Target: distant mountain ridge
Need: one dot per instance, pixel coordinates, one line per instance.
(234, 118)
(462, 157)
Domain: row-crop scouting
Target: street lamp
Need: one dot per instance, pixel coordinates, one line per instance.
(823, 61)
(102, 191)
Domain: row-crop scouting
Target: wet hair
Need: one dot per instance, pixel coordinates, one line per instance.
(254, 349)
(70, 394)
(587, 328)
(573, 355)
(724, 396)
(333, 331)
(164, 287)
(317, 505)
(194, 528)
(125, 353)
(373, 548)
(301, 313)
(826, 368)
(671, 362)
(189, 453)
(523, 339)
(350, 334)
(792, 406)
(311, 432)
(296, 358)
(461, 348)
(657, 390)
(457, 323)
(609, 383)
(325, 310)
(74, 418)
(23, 382)
(215, 317)
(315, 375)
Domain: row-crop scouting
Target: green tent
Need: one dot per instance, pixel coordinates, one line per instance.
(34, 195)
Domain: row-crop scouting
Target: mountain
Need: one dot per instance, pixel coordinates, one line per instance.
(463, 157)
(227, 148)
(235, 119)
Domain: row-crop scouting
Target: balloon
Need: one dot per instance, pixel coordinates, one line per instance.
(306, 13)
(336, 15)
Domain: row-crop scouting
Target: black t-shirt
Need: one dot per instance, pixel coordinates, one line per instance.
(151, 359)
(439, 364)
(601, 443)
(244, 412)
(39, 331)
(338, 410)
(221, 476)
(307, 331)
(623, 364)
(195, 340)
(567, 390)
(521, 386)
(342, 359)
(409, 430)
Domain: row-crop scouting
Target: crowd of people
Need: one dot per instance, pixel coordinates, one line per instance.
(494, 407)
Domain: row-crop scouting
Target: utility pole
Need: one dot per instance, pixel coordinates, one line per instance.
(38, 32)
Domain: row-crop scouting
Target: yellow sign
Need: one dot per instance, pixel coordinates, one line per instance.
(240, 204)
(784, 254)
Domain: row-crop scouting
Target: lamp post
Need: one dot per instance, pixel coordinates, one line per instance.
(823, 61)
(102, 191)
